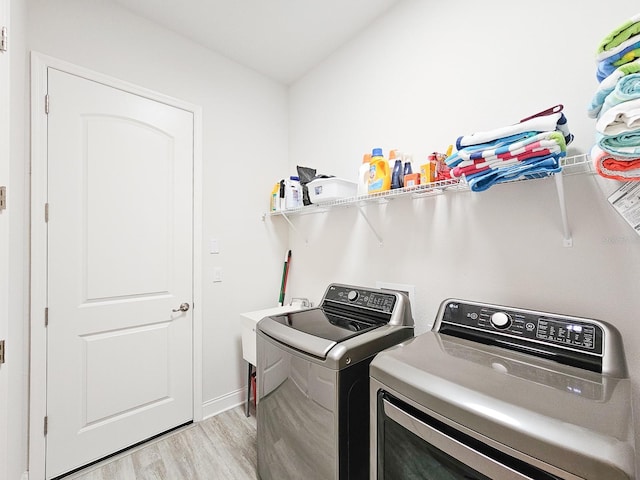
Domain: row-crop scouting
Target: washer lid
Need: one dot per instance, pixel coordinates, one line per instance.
(313, 331)
(320, 323)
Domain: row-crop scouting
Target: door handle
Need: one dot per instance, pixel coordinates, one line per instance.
(182, 308)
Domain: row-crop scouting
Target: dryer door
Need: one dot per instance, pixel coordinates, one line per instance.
(412, 444)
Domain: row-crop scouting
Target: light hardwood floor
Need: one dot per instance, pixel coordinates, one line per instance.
(221, 447)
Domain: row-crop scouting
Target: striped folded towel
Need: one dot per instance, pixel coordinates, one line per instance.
(619, 38)
(625, 145)
(616, 168)
(607, 66)
(609, 84)
(627, 88)
(533, 168)
(465, 153)
(540, 145)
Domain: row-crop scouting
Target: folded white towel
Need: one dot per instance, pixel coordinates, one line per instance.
(620, 118)
(545, 123)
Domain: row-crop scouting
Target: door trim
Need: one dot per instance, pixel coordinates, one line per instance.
(38, 282)
(6, 463)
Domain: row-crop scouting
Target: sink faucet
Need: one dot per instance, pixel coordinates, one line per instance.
(304, 302)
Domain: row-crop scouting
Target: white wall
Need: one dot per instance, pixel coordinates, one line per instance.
(244, 145)
(415, 80)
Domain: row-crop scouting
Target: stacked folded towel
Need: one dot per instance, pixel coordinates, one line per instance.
(530, 149)
(616, 103)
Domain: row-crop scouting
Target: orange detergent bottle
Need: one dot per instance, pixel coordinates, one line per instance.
(379, 172)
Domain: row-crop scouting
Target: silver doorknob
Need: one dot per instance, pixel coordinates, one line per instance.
(182, 308)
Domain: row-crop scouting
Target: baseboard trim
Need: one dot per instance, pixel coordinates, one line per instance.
(223, 403)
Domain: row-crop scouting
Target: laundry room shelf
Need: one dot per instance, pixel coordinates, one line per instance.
(577, 164)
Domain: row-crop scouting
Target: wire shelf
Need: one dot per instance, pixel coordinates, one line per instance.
(570, 166)
(576, 164)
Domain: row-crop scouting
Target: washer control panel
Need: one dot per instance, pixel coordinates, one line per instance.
(577, 334)
(360, 297)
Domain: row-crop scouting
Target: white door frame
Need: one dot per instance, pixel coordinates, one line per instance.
(38, 387)
(5, 239)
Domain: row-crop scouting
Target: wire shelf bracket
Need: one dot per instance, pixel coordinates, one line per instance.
(371, 227)
(567, 240)
(293, 227)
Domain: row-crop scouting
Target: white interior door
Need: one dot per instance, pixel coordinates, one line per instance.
(120, 233)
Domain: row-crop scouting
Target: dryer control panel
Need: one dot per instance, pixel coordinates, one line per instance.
(571, 340)
(562, 331)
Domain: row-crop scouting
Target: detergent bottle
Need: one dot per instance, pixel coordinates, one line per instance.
(379, 173)
(408, 168)
(293, 193)
(395, 163)
(363, 175)
(275, 198)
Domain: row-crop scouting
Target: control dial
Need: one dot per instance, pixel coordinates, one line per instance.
(352, 295)
(500, 320)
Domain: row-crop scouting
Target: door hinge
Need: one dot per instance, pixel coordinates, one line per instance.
(3, 40)
(46, 425)
(3, 198)
(46, 212)
(1, 352)
(46, 104)
(46, 316)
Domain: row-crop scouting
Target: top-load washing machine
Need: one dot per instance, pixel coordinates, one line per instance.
(313, 382)
(500, 393)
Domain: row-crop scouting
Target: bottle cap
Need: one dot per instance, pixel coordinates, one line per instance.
(376, 152)
(294, 178)
(366, 158)
(392, 154)
(449, 150)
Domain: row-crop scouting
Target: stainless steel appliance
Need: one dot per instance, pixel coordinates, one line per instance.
(313, 382)
(496, 392)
